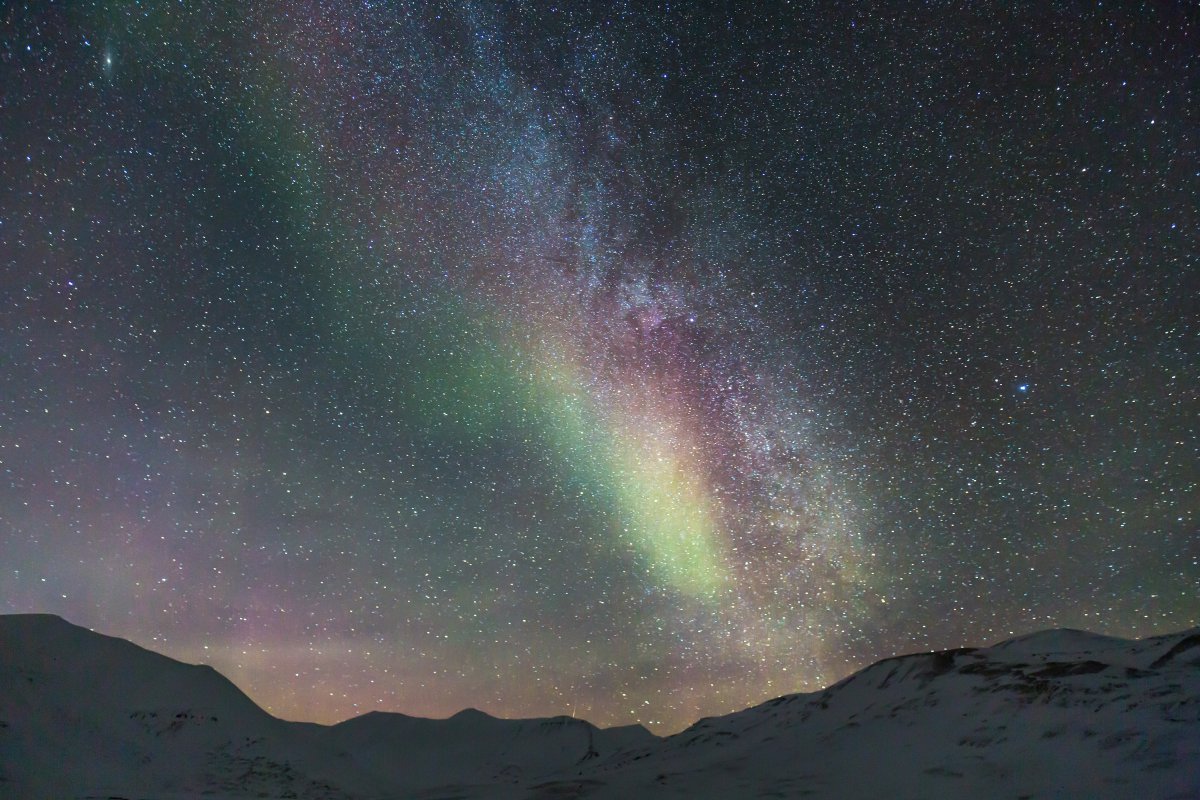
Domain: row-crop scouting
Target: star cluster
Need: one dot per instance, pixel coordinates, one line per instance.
(639, 361)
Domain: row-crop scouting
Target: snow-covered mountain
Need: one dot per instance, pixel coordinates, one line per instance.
(1057, 714)
(87, 715)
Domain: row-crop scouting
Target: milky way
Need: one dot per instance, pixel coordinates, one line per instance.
(637, 363)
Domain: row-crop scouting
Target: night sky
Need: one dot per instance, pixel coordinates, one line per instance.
(633, 362)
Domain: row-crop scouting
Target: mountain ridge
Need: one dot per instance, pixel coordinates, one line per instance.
(1059, 713)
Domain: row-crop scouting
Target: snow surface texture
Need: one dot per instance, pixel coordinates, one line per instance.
(1058, 714)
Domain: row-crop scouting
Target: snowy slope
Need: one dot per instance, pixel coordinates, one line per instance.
(1057, 714)
(83, 714)
(86, 715)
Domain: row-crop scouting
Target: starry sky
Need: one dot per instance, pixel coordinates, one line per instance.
(633, 361)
